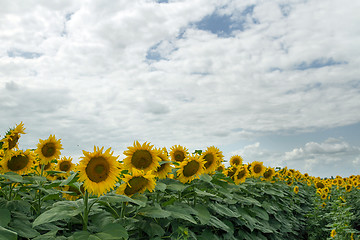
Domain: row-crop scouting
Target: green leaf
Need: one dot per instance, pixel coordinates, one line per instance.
(215, 222)
(203, 214)
(113, 231)
(57, 213)
(180, 212)
(5, 217)
(205, 178)
(23, 228)
(153, 229)
(177, 187)
(69, 180)
(154, 212)
(223, 210)
(14, 177)
(160, 186)
(261, 213)
(6, 234)
(203, 193)
(82, 235)
(121, 199)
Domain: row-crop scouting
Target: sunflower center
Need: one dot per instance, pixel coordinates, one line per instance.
(65, 166)
(267, 174)
(209, 158)
(320, 185)
(97, 169)
(257, 168)
(236, 161)
(13, 141)
(179, 156)
(191, 168)
(17, 163)
(47, 166)
(135, 185)
(161, 167)
(241, 174)
(141, 159)
(48, 150)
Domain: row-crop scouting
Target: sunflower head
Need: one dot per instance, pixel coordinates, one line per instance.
(257, 169)
(319, 184)
(98, 170)
(178, 153)
(220, 168)
(72, 193)
(12, 137)
(240, 174)
(192, 167)
(269, 174)
(48, 149)
(236, 160)
(19, 161)
(230, 171)
(65, 165)
(296, 189)
(211, 160)
(165, 167)
(141, 157)
(137, 182)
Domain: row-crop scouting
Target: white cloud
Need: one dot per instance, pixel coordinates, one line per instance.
(79, 70)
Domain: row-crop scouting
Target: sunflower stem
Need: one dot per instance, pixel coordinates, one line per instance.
(122, 213)
(86, 211)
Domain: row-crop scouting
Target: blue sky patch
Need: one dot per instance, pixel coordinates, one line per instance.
(27, 55)
(318, 63)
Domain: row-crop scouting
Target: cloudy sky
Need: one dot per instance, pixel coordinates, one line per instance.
(274, 81)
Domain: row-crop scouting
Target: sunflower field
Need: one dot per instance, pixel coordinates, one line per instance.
(158, 193)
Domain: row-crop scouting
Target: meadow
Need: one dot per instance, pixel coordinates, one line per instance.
(157, 193)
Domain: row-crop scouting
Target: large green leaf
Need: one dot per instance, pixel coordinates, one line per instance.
(223, 210)
(175, 186)
(113, 231)
(5, 217)
(72, 178)
(6, 234)
(23, 228)
(261, 213)
(121, 199)
(182, 213)
(203, 214)
(14, 177)
(215, 222)
(154, 212)
(153, 229)
(57, 213)
(160, 187)
(47, 236)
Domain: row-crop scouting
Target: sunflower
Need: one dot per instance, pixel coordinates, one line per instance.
(348, 187)
(211, 160)
(19, 162)
(220, 168)
(141, 157)
(319, 184)
(138, 182)
(296, 189)
(241, 174)
(165, 167)
(257, 169)
(178, 153)
(269, 174)
(324, 196)
(48, 149)
(333, 233)
(65, 165)
(236, 160)
(12, 137)
(99, 171)
(230, 171)
(219, 153)
(189, 169)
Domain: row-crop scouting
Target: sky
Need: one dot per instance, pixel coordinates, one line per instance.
(273, 81)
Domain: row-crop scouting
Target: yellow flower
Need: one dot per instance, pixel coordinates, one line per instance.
(11, 139)
(99, 171)
(319, 184)
(48, 149)
(241, 174)
(230, 171)
(19, 162)
(71, 193)
(65, 165)
(178, 153)
(257, 169)
(236, 160)
(165, 167)
(219, 153)
(141, 157)
(348, 187)
(220, 168)
(269, 174)
(138, 182)
(211, 160)
(333, 233)
(296, 189)
(192, 167)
